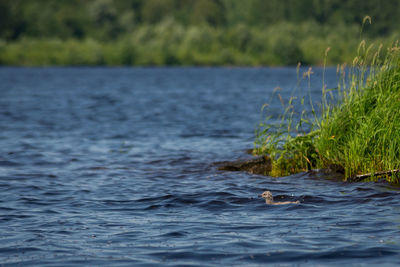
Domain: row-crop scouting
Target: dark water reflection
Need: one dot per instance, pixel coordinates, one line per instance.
(115, 167)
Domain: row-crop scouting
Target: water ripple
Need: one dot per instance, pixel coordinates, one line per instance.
(115, 166)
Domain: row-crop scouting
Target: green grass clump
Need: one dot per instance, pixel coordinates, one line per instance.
(358, 130)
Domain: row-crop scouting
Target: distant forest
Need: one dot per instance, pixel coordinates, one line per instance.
(188, 32)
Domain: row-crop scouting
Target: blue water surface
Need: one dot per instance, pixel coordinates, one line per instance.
(116, 166)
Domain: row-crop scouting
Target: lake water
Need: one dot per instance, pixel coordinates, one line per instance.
(115, 166)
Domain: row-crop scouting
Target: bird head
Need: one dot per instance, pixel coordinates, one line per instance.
(267, 195)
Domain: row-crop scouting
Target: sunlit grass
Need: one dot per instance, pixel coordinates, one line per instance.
(358, 129)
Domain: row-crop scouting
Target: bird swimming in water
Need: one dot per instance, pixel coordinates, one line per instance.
(269, 199)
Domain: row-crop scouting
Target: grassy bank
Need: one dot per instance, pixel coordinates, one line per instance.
(170, 43)
(358, 130)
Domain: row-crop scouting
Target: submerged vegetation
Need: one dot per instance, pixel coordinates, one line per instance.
(357, 130)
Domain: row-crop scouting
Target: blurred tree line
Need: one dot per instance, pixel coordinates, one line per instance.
(165, 32)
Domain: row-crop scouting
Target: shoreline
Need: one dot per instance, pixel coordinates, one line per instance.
(262, 165)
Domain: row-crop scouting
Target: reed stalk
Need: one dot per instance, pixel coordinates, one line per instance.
(358, 129)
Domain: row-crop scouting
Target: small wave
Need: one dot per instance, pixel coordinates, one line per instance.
(383, 195)
(153, 207)
(155, 199)
(213, 205)
(18, 249)
(308, 199)
(175, 234)
(7, 163)
(243, 200)
(354, 253)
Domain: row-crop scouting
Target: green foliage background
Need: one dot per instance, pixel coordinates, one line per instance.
(189, 32)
